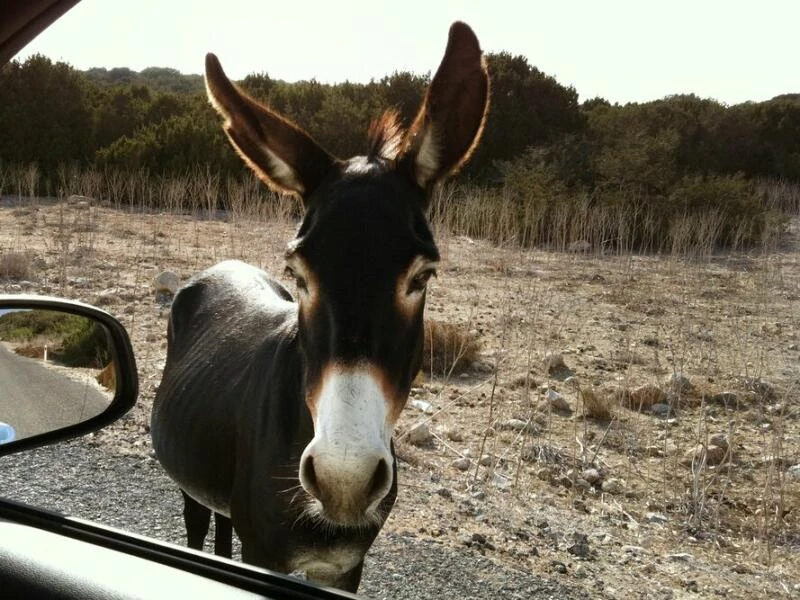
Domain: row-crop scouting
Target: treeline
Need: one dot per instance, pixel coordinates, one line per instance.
(678, 156)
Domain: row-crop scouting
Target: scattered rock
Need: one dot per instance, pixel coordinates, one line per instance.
(613, 485)
(728, 400)
(454, 434)
(557, 401)
(681, 557)
(166, 285)
(764, 389)
(591, 475)
(742, 569)
(654, 517)
(679, 383)
(462, 464)
(501, 482)
(423, 406)
(710, 455)
(660, 410)
(540, 419)
(720, 440)
(487, 460)
(580, 546)
(420, 435)
(554, 362)
(644, 397)
(558, 567)
(109, 296)
(518, 425)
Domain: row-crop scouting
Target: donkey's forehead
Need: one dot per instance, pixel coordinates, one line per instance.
(365, 207)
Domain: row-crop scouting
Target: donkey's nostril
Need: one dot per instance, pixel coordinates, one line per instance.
(380, 483)
(308, 477)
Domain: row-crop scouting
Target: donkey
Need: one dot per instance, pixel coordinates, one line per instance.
(277, 413)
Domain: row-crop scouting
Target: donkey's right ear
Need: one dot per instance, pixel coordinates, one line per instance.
(279, 152)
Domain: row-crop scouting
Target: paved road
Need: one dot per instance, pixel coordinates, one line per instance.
(35, 398)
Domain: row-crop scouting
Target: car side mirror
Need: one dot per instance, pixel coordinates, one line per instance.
(66, 369)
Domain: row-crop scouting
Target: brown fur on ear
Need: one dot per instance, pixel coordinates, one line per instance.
(450, 122)
(282, 155)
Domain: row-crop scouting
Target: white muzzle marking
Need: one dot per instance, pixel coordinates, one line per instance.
(347, 467)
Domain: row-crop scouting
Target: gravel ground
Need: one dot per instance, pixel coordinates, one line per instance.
(83, 479)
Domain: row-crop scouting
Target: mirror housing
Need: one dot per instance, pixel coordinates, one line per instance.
(125, 379)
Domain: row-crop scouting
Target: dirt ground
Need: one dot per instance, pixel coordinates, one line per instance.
(688, 487)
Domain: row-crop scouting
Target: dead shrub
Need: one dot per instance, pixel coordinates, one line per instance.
(597, 405)
(449, 348)
(15, 266)
(108, 377)
(30, 351)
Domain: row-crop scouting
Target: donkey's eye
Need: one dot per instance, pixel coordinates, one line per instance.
(298, 280)
(420, 280)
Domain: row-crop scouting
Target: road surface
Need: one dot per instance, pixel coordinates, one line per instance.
(35, 398)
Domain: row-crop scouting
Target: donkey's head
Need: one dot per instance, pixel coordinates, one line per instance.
(361, 260)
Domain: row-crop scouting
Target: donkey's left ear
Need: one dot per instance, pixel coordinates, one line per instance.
(450, 122)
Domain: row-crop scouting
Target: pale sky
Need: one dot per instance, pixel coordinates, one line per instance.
(622, 50)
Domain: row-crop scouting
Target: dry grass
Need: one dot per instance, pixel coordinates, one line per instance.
(16, 266)
(449, 348)
(621, 321)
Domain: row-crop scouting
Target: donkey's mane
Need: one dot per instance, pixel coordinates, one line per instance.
(385, 136)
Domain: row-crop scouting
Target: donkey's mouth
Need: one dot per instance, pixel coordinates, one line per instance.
(333, 515)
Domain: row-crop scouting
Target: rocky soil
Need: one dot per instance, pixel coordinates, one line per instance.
(628, 430)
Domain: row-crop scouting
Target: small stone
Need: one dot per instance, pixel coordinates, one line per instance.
(661, 410)
(720, 440)
(422, 406)
(445, 493)
(554, 362)
(501, 482)
(680, 383)
(741, 569)
(580, 549)
(486, 460)
(728, 400)
(420, 435)
(514, 424)
(654, 517)
(794, 471)
(613, 485)
(635, 550)
(565, 480)
(580, 504)
(582, 484)
(681, 557)
(711, 455)
(462, 464)
(591, 475)
(454, 434)
(557, 401)
(558, 567)
(167, 281)
(479, 538)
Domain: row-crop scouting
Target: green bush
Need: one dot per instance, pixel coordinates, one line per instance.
(86, 347)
